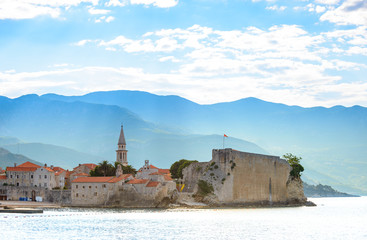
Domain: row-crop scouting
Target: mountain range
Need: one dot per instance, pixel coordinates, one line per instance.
(164, 129)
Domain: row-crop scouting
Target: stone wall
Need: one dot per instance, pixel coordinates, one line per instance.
(55, 196)
(244, 178)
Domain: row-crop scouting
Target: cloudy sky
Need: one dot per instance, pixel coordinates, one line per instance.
(300, 52)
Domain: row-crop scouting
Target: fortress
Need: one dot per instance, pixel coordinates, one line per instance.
(244, 178)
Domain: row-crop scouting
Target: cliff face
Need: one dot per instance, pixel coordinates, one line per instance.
(295, 191)
(244, 178)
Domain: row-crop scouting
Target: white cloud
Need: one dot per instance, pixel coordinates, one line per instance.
(110, 19)
(169, 58)
(350, 12)
(95, 11)
(276, 8)
(27, 9)
(327, 2)
(156, 3)
(116, 3)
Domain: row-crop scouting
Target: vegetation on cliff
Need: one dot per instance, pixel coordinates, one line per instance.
(205, 188)
(294, 161)
(178, 166)
(105, 168)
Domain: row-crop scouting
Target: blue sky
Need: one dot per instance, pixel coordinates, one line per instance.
(307, 53)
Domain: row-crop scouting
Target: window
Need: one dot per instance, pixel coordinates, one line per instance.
(95, 193)
(17, 176)
(104, 185)
(45, 176)
(90, 186)
(96, 186)
(11, 176)
(76, 186)
(32, 176)
(17, 184)
(39, 184)
(39, 176)
(83, 186)
(77, 195)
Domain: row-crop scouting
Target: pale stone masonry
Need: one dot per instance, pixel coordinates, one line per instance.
(96, 191)
(242, 177)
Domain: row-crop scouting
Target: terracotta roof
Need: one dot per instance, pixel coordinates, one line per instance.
(49, 169)
(92, 179)
(151, 166)
(152, 184)
(165, 171)
(167, 178)
(57, 173)
(21, 169)
(91, 166)
(68, 173)
(81, 174)
(58, 169)
(138, 181)
(29, 164)
(117, 179)
(2, 177)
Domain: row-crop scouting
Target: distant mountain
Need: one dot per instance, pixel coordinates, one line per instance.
(332, 141)
(53, 155)
(323, 191)
(94, 129)
(7, 159)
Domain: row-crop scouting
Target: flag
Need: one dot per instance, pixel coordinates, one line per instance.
(225, 135)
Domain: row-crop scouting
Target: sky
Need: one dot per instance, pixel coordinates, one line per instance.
(301, 52)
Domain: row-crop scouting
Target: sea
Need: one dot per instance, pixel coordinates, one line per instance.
(332, 218)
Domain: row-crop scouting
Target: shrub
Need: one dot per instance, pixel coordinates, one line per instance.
(212, 174)
(204, 188)
(216, 167)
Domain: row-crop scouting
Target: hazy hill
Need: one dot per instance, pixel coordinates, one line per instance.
(94, 129)
(7, 159)
(332, 141)
(53, 155)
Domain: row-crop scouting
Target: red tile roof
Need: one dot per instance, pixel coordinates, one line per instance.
(167, 178)
(49, 169)
(57, 173)
(138, 181)
(117, 179)
(152, 184)
(58, 169)
(91, 166)
(92, 179)
(2, 177)
(81, 174)
(151, 166)
(21, 169)
(165, 171)
(29, 164)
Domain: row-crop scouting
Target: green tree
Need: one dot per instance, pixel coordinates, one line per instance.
(295, 163)
(103, 169)
(126, 169)
(178, 166)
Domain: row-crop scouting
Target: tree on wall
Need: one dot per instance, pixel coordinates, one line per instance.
(178, 166)
(126, 169)
(294, 161)
(107, 169)
(103, 169)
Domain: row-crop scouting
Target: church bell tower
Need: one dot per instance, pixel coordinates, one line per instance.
(121, 152)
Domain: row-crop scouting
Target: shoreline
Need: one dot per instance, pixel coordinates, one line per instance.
(46, 205)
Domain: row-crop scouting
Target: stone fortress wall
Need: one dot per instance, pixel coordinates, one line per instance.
(243, 178)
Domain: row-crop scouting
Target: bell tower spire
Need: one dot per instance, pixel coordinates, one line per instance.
(121, 152)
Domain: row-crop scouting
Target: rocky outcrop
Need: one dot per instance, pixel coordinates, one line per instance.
(295, 192)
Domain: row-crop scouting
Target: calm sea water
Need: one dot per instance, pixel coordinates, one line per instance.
(333, 218)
